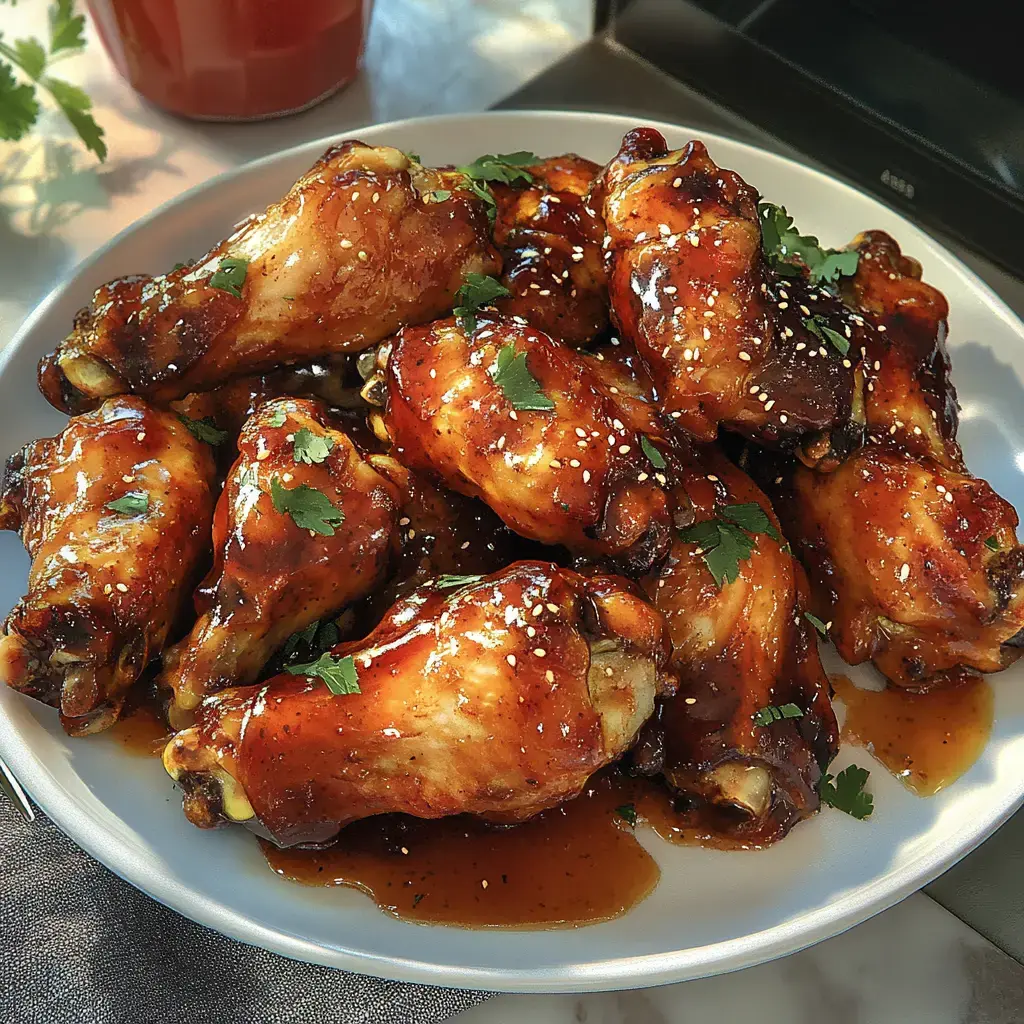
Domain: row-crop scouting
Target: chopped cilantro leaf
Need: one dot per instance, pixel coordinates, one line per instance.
(339, 674)
(309, 508)
(518, 385)
(776, 713)
(67, 29)
(448, 580)
(846, 792)
(230, 275)
(752, 518)
(477, 291)
(438, 195)
(311, 448)
(627, 812)
(505, 167)
(18, 106)
(654, 457)
(277, 417)
(131, 503)
(204, 429)
(308, 643)
(726, 541)
(786, 249)
(817, 624)
(819, 327)
(991, 543)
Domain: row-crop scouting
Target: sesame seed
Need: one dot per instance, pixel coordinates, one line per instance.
(690, 700)
(512, 414)
(671, 289)
(122, 587)
(484, 883)
(140, 436)
(847, 364)
(949, 497)
(511, 659)
(464, 545)
(609, 672)
(642, 477)
(544, 291)
(677, 182)
(586, 476)
(539, 652)
(260, 456)
(575, 463)
(804, 310)
(693, 238)
(127, 479)
(286, 477)
(783, 418)
(549, 676)
(712, 478)
(555, 464)
(531, 632)
(580, 432)
(768, 405)
(345, 244)
(405, 851)
(433, 373)
(707, 334)
(709, 313)
(664, 229)
(763, 397)
(404, 521)
(553, 608)
(355, 196)
(501, 442)
(941, 489)
(687, 354)
(800, 346)
(362, 255)
(745, 356)
(783, 305)
(623, 449)
(881, 327)
(641, 236)
(581, 444)
(904, 572)
(375, 198)
(107, 589)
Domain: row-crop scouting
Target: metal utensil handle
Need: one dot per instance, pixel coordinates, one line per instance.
(11, 788)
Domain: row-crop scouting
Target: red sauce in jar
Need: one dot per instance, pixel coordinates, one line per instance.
(233, 59)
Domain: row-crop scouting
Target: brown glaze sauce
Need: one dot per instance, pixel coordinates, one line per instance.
(142, 731)
(576, 864)
(926, 740)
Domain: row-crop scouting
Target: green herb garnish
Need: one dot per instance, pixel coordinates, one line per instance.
(311, 448)
(991, 543)
(846, 792)
(505, 167)
(130, 504)
(786, 249)
(438, 195)
(726, 541)
(204, 429)
(277, 417)
(180, 266)
(339, 674)
(230, 275)
(309, 643)
(818, 326)
(518, 385)
(627, 812)
(448, 580)
(656, 459)
(19, 106)
(309, 508)
(477, 291)
(817, 624)
(776, 713)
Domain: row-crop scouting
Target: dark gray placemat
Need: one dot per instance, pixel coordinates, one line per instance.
(78, 945)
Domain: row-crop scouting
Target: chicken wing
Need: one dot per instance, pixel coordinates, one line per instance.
(304, 527)
(498, 698)
(357, 248)
(115, 512)
(739, 649)
(930, 584)
(550, 241)
(506, 414)
(726, 340)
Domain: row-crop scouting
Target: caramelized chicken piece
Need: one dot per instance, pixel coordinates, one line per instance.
(354, 251)
(115, 512)
(725, 339)
(550, 241)
(738, 649)
(498, 698)
(914, 561)
(304, 527)
(574, 474)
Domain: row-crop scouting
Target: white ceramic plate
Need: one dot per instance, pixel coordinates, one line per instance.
(713, 911)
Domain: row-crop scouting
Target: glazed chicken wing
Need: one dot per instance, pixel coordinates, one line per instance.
(356, 249)
(550, 241)
(498, 698)
(725, 339)
(506, 414)
(115, 512)
(738, 649)
(304, 527)
(914, 561)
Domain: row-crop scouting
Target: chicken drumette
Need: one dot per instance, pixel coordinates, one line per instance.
(304, 527)
(115, 512)
(357, 248)
(498, 697)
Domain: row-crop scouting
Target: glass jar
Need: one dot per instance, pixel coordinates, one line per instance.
(233, 60)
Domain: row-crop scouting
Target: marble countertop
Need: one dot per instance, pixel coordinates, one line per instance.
(915, 963)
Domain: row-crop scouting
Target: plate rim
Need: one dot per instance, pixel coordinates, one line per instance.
(627, 972)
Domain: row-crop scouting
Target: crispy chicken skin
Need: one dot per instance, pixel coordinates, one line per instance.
(105, 586)
(574, 475)
(930, 583)
(737, 650)
(354, 251)
(270, 576)
(723, 337)
(498, 699)
(550, 241)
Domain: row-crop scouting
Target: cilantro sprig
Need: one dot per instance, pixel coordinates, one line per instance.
(846, 792)
(339, 674)
(728, 539)
(24, 71)
(504, 167)
(204, 429)
(818, 326)
(776, 713)
(654, 457)
(230, 275)
(309, 508)
(518, 385)
(311, 448)
(448, 581)
(309, 643)
(991, 543)
(131, 504)
(786, 249)
(821, 627)
(477, 291)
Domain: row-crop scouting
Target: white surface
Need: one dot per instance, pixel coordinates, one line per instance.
(915, 964)
(713, 911)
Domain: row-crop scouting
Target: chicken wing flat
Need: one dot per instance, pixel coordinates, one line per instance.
(509, 415)
(115, 512)
(357, 248)
(304, 527)
(726, 340)
(930, 583)
(740, 647)
(498, 698)
(550, 241)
